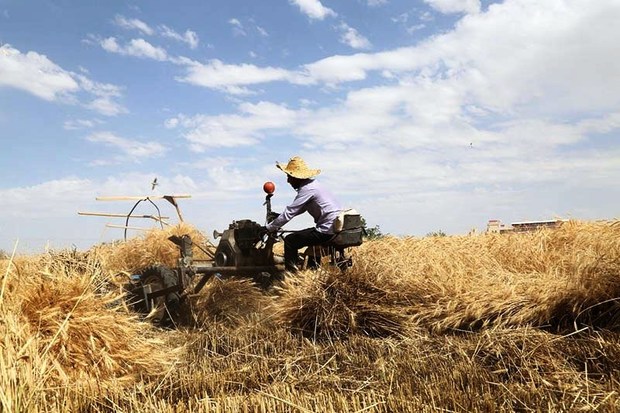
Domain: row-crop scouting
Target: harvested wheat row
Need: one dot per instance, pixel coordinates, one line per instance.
(554, 278)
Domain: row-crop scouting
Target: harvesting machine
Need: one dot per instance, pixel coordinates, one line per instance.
(244, 250)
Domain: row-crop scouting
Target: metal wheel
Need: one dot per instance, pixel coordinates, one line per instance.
(162, 309)
(153, 278)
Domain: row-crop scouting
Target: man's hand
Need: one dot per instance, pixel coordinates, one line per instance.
(263, 236)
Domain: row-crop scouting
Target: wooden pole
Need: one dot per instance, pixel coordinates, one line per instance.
(126, 227)
(137, 198)
(106, 214)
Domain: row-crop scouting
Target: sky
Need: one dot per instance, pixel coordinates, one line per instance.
(424, 115)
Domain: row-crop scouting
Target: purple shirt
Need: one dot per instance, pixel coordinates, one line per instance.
(317, 201)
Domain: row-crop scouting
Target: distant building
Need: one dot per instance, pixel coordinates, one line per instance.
(496, 226)
(533, 225)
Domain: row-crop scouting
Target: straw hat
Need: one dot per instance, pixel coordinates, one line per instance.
(297, 168)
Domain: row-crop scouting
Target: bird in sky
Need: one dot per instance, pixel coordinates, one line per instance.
(154, 184)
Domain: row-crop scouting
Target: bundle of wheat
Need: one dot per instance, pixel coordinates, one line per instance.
(153, 248)
(331, 304)
(78, 335)
(229, 301)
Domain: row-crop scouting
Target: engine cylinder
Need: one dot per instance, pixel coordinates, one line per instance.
(221, 259)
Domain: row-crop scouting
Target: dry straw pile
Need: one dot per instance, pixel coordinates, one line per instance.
(558, 280)
(516, 322)
(66, 337)
(154, 248)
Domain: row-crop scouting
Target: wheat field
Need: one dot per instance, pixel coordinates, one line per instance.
(486, 323)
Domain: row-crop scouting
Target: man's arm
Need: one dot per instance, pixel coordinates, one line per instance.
(296, 208)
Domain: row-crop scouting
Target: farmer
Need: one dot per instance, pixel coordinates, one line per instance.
(314, 199)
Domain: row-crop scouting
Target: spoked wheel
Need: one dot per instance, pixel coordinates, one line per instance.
(157, 305)
(158, 309)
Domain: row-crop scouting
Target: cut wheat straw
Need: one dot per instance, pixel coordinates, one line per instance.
(517, 322)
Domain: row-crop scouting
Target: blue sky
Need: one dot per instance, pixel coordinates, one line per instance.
(423, 115)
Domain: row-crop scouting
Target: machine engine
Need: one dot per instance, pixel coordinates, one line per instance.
(241, 245)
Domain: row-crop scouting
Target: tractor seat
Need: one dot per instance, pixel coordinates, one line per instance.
(350, 233)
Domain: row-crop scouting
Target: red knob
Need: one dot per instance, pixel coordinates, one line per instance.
(269, 187)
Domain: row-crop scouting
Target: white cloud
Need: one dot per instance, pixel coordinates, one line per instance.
(190, 37)
(603, 125)
(106, 106)
(245, 128)
(136, 48)
(105, 95)
(77, 124)
(171, 123)
(141, 49)
(554, 55)
(232, 78)
(388, 169)
(455, 6)
(426, 16)
(262, 31)
(225, 177)
(133, 24)
(238, 28)
(559, 56)
(415, 28)
(375, 3)
(401, 18)
(131, 149)
(418, 137)
(338, 69)
(314, 9)
(35, 74)
(352, 37)
(518, 60)
(63, 197)
(47, 199)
